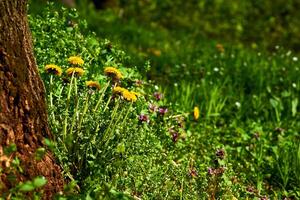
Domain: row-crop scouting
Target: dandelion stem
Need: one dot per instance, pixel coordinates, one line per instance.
(84, 110)
(76, 107)
(51, 98)
(106, 106)
(67, 109)
(125, 118)
(101, 97)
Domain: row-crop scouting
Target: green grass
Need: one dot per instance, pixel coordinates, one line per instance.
(245, 143)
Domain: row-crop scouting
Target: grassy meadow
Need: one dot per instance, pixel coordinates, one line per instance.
(147, 101)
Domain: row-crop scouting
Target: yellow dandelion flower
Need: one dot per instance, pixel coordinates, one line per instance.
(93, 85)
(129, 96)
(75, 70)
(118, 90)
(53, 69)
(75, 60)
(113, 72)
(196, 113)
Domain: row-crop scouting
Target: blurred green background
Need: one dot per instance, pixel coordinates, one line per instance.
(173, 34)
(253, 22)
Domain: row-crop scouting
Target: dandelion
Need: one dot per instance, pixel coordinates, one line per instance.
(113, 72)
(196, 113)
(53, 69)
(75, 60)
(75, 70)
(93, 85)
(118, 90)
(129, 96)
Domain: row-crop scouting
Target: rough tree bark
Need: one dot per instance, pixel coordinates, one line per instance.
(23, 116)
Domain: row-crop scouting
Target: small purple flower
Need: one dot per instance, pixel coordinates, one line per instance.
(162, 111)
(158, 96)
(251, 189)
(264, 198)
(144, 118)
(152, 107)
(210, 171)
(175, 137)
(220, 153)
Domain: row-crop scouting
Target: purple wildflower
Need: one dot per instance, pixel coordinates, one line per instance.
(210, 171)
(158, 96)
(144, 118)
(162, 111)
(220, 153)
(175, 137)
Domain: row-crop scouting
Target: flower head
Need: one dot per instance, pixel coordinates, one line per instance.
(53, 69)
(175, 137)
(93, 85)
(75, 60)
(196, 113)
(158, 96)
(144, 118)
(162, 111)
(129, 96)
(113, 72)
(118, 90)
(152, 107)
(220, 153)
(75, 70)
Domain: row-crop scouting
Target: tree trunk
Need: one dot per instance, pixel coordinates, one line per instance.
(23, 116)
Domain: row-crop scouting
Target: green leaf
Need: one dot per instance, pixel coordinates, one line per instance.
(27, 187)
(121, 148)
(294, 106)
(274, 103)
(39, 181)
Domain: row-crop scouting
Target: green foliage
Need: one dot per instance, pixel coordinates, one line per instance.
(245, 144)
